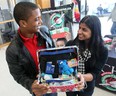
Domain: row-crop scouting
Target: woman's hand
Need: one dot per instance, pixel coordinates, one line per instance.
(81, 82)
(39, 89)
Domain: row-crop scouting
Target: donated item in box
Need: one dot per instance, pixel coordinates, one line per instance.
(44, 3)
(58, 68)
(59, 33)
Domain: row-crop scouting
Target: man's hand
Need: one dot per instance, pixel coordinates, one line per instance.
(39, 89)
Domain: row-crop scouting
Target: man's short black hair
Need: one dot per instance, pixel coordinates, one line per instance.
(22, 11)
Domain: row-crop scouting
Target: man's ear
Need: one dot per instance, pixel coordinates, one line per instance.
(23, 23)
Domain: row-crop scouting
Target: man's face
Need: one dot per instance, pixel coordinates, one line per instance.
(34, 21)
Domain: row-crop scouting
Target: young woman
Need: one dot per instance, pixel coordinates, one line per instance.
(92, 53)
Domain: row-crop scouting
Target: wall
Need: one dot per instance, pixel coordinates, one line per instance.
(3, 4)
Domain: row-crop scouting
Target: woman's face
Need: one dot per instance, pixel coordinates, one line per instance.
(84, 33)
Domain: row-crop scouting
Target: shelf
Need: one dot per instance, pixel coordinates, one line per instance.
(6, 21)
(3, 45)
(56, 10)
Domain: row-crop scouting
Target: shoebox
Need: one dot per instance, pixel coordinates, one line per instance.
(58, 68)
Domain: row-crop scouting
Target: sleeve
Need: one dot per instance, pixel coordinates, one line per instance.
(16, 70)
(100, 62)
(69, 43)
(110, 17)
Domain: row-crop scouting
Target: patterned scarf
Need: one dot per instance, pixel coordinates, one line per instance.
(82, 59)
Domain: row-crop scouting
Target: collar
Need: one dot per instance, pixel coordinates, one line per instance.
(26, 38)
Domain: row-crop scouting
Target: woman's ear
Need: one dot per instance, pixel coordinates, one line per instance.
(22, 23)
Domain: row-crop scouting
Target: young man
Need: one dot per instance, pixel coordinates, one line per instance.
(21, 53)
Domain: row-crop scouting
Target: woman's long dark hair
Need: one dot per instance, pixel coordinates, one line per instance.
(96, 41)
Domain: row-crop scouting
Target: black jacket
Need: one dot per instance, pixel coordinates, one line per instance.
(95, 68)
(21, 65)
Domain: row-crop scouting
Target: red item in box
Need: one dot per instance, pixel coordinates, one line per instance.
(59, 35)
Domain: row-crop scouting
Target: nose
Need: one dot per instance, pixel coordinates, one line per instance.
(79, 31)
(41, 21)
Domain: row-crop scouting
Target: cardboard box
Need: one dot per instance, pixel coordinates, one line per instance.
(44, 3)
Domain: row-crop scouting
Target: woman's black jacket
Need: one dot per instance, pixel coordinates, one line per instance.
(93, 65)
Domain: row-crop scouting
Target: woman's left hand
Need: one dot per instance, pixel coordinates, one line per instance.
(81, 82)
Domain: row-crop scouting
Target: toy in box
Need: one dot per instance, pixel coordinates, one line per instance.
(58, 68)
